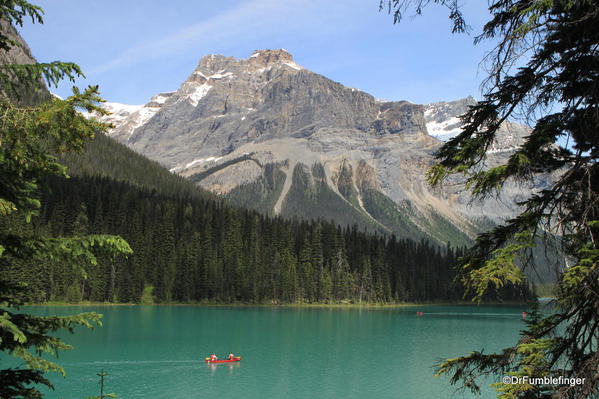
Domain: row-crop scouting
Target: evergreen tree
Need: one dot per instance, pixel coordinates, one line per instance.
(306, 271)
(28, 135)
(289, 283)
(343, 277)
(545, 66)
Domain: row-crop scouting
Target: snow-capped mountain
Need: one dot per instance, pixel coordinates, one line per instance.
(129, 117)
(269, 134)
(442, 118)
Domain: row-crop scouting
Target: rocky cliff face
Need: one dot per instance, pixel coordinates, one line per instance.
(227, 103)
(442, 118)
(443, 122)
(269, 134)
(20, 53)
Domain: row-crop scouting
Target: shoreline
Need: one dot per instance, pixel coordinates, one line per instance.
(287, 305)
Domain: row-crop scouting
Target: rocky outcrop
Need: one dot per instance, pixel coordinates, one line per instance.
(19, 53)
(443, 123)
(442, 118)
(400, 117)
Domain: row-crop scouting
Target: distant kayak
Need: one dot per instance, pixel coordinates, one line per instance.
(235, 359)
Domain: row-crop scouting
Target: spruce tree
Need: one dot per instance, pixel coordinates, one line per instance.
(545, 67)
(29, 136)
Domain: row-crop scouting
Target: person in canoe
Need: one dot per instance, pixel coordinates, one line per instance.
(231, 356)
(213, 357)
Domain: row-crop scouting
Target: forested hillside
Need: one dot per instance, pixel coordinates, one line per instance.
(190, 247)
(105, 157)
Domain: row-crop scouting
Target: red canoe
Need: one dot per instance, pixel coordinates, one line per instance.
(235, 359)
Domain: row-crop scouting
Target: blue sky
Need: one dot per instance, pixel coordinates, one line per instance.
(134, 49)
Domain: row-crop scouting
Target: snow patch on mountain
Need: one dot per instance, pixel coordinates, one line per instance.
(195, 162)
(220, 75)
(118, 113)
(199, 73)
(443, 122)
(161, 98)
(141, 116)
(499, 150)
(444, 130)
(293, 65)
(120, 109)
(196, 94)
(127, 118)
(284, 115)
(442, 118)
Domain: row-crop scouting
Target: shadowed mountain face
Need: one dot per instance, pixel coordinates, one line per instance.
(269, 134)
(19, 53)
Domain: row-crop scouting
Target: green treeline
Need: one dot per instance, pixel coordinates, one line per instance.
(190, 249)
(190, 246)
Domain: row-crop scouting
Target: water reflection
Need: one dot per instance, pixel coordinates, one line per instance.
(230, 367)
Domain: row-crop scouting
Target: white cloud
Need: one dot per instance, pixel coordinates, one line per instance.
(251, 20)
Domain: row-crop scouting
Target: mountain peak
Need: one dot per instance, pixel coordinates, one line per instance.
(268, 58)
(271, 56)
(271, 135)
(212, 63)
(260, 60)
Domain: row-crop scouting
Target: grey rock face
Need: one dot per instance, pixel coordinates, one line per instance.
(443, 123)
(442, 118)
(20, 53)
(231, 120)
(400, 117)
(444, 110)
(226, 103)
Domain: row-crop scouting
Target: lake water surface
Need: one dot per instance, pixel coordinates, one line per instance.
(157, 351)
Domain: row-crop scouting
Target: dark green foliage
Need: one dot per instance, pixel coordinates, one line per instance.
(310, 197)
(391, 214)
(24, 84)
(192, 249)
(103, 157)
(261, 194)
(14, 11)
(189, 247)
(345, 184)
(29, 135)
(554, 45)
(446, 231)
(408, 222)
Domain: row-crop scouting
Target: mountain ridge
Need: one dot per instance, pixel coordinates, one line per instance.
(232, 119)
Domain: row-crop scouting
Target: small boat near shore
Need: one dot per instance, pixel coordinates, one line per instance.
(234, 359)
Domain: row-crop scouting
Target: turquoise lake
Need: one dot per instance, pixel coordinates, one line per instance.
(157, 351)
